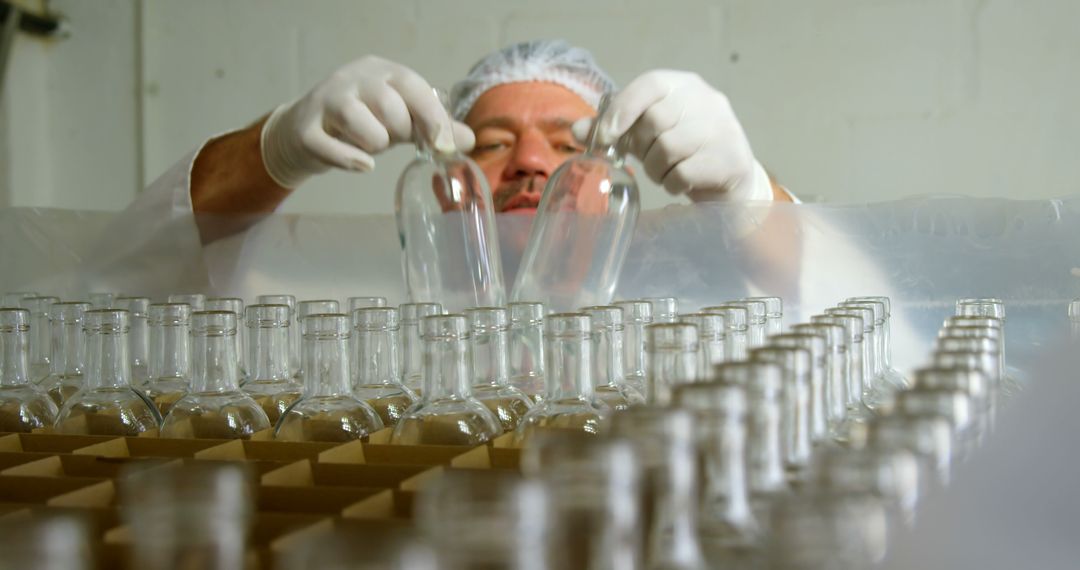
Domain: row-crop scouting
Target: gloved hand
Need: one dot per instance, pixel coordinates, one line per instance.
(360, 110)
(686, 136)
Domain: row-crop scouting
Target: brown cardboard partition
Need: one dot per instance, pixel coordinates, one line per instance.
(389, 505)
(369, 529)
(310, 500)
(307, 473)
(98, 519)
(49, 442)
(458, 456)
(246, 450)
(258, 468)
(149, 447)
(9, 459)
(504, 455)
(38, 490)
(81, 466)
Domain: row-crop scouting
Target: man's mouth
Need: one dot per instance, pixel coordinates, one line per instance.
(521, 202)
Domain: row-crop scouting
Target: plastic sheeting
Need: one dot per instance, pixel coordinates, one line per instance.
(923, 253)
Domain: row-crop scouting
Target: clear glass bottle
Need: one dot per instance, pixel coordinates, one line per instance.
(486, 519)
(412, 346)
(928, 436)
(344, 548)
(836, 384)
(873, 394)
(953, 405)
(14, 299)
(636, 316)
(673, 360)
(729, 533)
(825, 528)
(890, 475)
(305, 309)
(107, 404)
(853, 328)
(570, 401)
(762, 382)
(735, 317)
(992, 307)
(40, 335)
(1074, 318)
(665, 441)
(170, 354)
(377, 370)
(190, 515)
(355, 303)
(608, 352)
(976, 338)
(197, 301)
(446, 222)
(882, 389)
(488, 336)
(527, 347)
(293, 329)
(103, 299)
(328, 411)
(795, 402)
(47, 539)
(447, 413)
(582, 230)
(984, 363)
(24, 406)
(712, 334)
(665, 310)
(774, 314)
(68, 351)
(215, 407)
(892, 376)
(756, 322)
(815, 345)
(272, 383)
(139, 351)
(596, 488)
(234, 305)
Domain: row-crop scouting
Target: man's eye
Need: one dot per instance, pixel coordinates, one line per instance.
(570, 149)
(490, 147)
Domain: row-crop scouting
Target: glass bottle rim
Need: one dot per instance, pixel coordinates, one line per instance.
(107, 321)
(213, 323)
(13, 320)
(267, 316)
(375, 319)
(169, 314)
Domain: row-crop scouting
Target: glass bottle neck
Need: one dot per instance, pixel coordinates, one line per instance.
(269, 360)
(607, 355)
(527, 352)
(68, 348)
(377, 357)
(108, 364)
(673, 536)
(446, 368)
(170, 355)
(567, 367)
(489, 358)
(634, 349)
(41, 346)
(214, 363)
(412, 353)
(726, 493)
(326, 366)
(765, 462)
(139, 339)
(670, 367)
(13, 358)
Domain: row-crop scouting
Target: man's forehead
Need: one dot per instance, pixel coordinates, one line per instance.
(513, 105)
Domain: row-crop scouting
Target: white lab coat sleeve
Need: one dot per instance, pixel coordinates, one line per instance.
(153, 247)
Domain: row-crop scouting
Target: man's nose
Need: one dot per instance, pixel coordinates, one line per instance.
(533, 156)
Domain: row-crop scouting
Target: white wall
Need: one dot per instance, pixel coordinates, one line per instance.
(848, 100)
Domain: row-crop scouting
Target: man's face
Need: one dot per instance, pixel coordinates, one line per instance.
(522, 136)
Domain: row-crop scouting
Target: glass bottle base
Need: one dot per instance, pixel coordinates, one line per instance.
(338, 418)
(224, 415)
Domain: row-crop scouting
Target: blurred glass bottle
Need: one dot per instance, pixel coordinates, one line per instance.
(234, 305)
(215, 407)
(835, 374)
(636, 316)
(446, 222)
(1011, 381)
(376, 548)
(774, 314)
(194, 515)
(665, 310)
(983, 362)
(412, 346)
(824, 528)
(873, 396)
(50, 539)
(272, 383)
(673, 360)
(197, 301)
(853, 364)
(665, 442)
(107, 404)
(729, 534)
(712, 334)
(365, 303)
(68, 351)
(447, 413)
(139, 349)
(736, 318)
(488, 335)
(328, 411)
(795, 406)
(928, 436)
(570, 401)
(892, 375)
(595, 488)
(103, 299)
(40, 355)
(293, 329)
(582, 230)
(890, 474)
(486, 519)
(608, 369)
(14, 299)
(756, 321)
(1074, 318)
(377, 370)
(24, 406)
(527, 347)
(815, 345)
(170, 354)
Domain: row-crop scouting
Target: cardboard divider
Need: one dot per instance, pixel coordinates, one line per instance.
(49, 442)
(245, 450)
(311, 500)
(504, 455)
(369, 529)
(9, 459)
(17, 489)
(80, 466)
(307, 473)
(458, 456)
(149, 447)
(392, 505)
(103, 494)
(258, 468)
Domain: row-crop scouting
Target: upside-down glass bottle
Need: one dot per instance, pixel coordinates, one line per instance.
(236, 306)
(774, 314)
(293, 330)
(377, 368)
(328, 411)
(68, 351)
(272, 383)
(636, 316)
(712, 334)
(581, 234)
(107, 404)
(489, 330)
(673, 360)
(24, 406)
(215, 407)
(170, 354)
(570, 401)
(447, 413)
(139, 350)
(609, 372)
(412, 346)
(40, 335)
(446, 222)
(735, 318)
(527, 347)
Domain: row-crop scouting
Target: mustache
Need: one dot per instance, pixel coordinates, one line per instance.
(510, 190)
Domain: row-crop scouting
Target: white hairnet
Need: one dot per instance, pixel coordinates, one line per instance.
(552, 61)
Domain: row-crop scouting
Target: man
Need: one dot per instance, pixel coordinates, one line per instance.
(517, 113)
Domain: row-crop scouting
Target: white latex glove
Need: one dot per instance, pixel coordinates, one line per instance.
(686, 136)
(360, 110)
